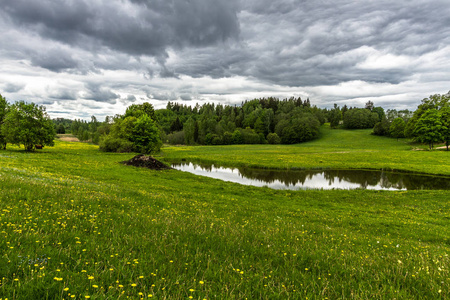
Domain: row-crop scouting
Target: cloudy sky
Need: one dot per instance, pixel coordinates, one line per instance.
(96, 57)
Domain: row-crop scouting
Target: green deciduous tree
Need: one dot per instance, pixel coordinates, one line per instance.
(335, 116)
(28, 124)
(60, 129)
(360, 118)
(429, 128)
(136, 110)
(436, 102)
(136, 131)
(397, 128)
(273, 138)
(382, 127)
(3, 110)
(445, 118)
(145, 135)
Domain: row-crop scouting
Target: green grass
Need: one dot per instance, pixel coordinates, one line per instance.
(342, 149)
(73, 218)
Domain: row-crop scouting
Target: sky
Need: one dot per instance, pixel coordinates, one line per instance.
(80, 58)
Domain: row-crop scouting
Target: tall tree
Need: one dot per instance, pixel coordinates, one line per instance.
(3, 110)
(335, 116)
(28, 124)
(445, 118)
(429, 128)
(137, 110)
(397, 128)
(369, 105)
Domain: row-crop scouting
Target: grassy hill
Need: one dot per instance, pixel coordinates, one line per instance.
(76, 224)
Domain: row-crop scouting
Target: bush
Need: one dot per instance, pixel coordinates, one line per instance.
(249, 136)
(112, 144)
(60, 129)
(237, 137)
(176, 138)
(381, 128)
(273, 138)
(216, 140)
(360, 118)
(227, 138)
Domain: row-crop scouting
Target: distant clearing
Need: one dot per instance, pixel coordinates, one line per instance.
(67, 138)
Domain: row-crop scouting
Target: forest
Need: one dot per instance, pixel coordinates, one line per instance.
(287, 121)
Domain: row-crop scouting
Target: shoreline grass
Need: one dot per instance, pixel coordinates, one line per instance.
(336, 149)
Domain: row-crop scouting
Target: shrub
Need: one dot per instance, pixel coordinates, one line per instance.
(176, 138)
(113, 144)
(273, 138)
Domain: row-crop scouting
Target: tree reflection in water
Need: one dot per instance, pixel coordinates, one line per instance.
(319, 179)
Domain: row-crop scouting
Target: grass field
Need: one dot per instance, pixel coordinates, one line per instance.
(345, 149)
(76, 224)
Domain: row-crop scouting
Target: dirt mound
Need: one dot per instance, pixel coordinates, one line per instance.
(146, 162)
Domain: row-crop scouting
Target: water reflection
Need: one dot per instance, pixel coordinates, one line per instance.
(319, 179)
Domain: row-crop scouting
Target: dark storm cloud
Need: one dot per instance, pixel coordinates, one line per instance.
(136, 27)
(161, 96)
(13, 87)
(97, 92)
(64, 94)
(54, 60)
(131, 98)
(316, 43)
(195, 49)
(310, 43)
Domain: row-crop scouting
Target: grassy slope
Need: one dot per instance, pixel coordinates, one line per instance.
(336, 149)
(73, 218)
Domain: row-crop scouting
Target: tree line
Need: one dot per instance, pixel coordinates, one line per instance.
(259, 121)
(429, 123)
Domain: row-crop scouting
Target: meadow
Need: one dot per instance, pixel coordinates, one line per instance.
(77, 224)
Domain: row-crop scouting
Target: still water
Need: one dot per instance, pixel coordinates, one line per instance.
(319, 179)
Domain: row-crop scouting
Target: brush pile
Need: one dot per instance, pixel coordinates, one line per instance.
(145, 161)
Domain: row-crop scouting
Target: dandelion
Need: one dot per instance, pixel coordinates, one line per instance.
(95, 286)
(201, 282)
(133, 284)
(66, 289)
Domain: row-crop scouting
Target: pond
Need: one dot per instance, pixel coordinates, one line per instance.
(319, 179)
